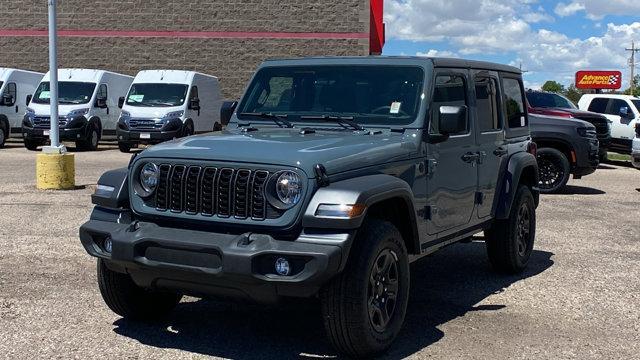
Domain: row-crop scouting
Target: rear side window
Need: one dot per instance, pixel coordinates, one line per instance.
(487, 104)
(450, 90)
(599, 105)
(514, 103)
(615, 105)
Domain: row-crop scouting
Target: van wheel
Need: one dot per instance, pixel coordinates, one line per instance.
(3, 136)
(187, 130)
(217, 127)
(364, 307)
(31, 144)
(510, 241)
(90, 143)
(130, 301)
(554, 170)
(124, 147)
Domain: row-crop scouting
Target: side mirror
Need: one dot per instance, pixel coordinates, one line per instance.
(228, 107)
(28, 99)
(7, 100)
(101, 103)
(194, 104)
(626, 113)
(452, 119)
(121, 102)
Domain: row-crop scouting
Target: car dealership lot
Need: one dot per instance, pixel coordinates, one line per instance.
(580, 297)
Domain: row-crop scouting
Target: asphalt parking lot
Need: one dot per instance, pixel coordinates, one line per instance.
(580, 297)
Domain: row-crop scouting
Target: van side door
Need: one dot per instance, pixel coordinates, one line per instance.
(452, 177)
(490, 135)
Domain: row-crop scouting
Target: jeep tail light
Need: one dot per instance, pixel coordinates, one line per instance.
(532, 148)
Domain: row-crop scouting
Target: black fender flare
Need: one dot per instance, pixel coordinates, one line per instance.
(367, 190)
(518, 164)
(112, 191)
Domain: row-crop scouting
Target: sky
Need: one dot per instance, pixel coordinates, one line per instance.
(551, 40)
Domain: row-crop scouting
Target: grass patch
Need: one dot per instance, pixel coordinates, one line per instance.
(618, 157)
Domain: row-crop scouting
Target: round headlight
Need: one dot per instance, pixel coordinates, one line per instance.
(149, 176)
(289, 188)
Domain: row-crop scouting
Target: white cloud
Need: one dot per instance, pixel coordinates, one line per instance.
(598, 9)
(437, 53)
(563, 9)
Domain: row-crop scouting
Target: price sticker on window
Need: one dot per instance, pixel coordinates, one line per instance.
(395, 107)
(136, 98)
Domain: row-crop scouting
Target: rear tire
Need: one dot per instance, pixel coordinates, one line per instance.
(364, 307)
(31, 145)
(4, 134)
(124, 147)
(510, 241)
(90, 143)
(130, 301)
(554, 170)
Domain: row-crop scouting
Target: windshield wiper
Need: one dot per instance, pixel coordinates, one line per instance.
(280, 120)
(344, 121)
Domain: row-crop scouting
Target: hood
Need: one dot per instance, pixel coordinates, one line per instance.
(63, 109)
(576, 113)
(539, 120)
(147, 112)
(338, 151)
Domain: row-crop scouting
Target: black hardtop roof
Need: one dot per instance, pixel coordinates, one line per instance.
(437, 62)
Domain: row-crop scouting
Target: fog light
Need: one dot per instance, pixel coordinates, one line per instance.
(107, 245)
(282, 267)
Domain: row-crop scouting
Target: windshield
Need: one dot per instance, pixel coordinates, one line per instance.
(157, 95)
(385, 95)
(548, 100)
(68, 92)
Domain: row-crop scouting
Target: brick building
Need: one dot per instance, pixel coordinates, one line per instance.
(226, 38)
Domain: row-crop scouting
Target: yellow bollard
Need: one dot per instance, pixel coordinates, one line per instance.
(55, 172)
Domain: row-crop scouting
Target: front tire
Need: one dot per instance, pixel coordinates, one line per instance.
(554, 170)
(510, 241)
(130, 301)
(31, 145)
(4, 134)
(124, 147)
(188, 129)
(364, 307)
(90, 143)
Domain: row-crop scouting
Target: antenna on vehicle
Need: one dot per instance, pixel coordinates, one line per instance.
(162, 75)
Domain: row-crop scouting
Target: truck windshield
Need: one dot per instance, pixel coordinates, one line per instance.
(547, 100)
(69, 92)
(157, 95)
(382, 95)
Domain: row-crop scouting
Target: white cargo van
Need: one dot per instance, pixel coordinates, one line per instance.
(624, 113)
(15, 86)
(166, 104)
(88, 108)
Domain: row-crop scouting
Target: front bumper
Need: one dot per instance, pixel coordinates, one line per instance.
(203, 263)
(146, 137)
(75, 129)
(635, 153)
(587, 158)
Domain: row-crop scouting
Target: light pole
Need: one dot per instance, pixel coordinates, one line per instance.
(55, 168)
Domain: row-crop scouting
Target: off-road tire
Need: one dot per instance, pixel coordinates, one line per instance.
(506, 252)
(31, 145)
(130, 301)
(345, 300)
(554, 170)
(124, 147)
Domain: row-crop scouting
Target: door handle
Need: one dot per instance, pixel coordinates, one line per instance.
(470, 157)
(500, 151)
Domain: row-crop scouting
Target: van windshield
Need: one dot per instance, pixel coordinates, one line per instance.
(69, 92)
(368, 95)
(157, 95)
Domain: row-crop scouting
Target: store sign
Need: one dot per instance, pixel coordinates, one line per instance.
(598, 79)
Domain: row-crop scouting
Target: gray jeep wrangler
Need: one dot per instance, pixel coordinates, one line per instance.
(332, 175)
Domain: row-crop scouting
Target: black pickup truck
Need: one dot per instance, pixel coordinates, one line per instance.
(565, 147)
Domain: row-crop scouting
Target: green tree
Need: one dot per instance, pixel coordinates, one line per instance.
(635, 89)
(553, 86)
(574, 94)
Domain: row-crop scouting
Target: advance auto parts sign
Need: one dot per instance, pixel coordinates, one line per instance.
(598, 79)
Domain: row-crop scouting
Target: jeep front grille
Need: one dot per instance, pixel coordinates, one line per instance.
(211, 191)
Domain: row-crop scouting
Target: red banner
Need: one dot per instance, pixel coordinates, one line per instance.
(599, 80)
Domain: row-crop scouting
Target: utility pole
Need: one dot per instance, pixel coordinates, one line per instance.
(54, 134)
(632, 63)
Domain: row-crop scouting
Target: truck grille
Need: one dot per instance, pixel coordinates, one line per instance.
(601, 125)
(144, 124)
(211, 191)
(45, 121)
